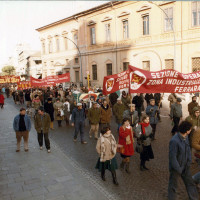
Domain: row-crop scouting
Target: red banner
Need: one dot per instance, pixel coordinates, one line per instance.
(50, 80)
(24, 85)
(9, 79)
(142, 81)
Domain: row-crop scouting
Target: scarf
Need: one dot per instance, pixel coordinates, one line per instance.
(110, 138)
(143, 125)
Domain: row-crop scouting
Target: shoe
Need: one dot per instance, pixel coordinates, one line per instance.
(145, 167)
(103, 175)
(41, 148)
(114, 178)
(83, 142)
(142, 168)
(127, 168)
(75, 140)
(49, 151)
(26, 150)
(17, 150)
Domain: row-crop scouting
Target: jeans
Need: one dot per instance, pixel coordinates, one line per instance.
(188, 181)
(79, 127)
(46, 139)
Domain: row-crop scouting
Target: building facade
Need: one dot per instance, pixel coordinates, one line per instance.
(104, 40)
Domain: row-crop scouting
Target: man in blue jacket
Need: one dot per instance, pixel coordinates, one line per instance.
(153, 112)
(180, 161)
(78, 120)
(22, 127)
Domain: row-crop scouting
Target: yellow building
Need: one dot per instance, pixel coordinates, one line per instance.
(149, 35)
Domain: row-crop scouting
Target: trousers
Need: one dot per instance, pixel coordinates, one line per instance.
(19, 135)
(46, 139)
(79, 127)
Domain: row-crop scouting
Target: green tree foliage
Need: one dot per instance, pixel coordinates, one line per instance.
(8, 70)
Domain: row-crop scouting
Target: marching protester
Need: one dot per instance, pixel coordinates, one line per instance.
(113, 98)
(48, 108)
(172, 98)
(22, 127)
(94, 119)
(106, 148)
(105, 115)
(132, 115)
(143, 134)
(148, 97)
(176, 115)
(78, 121)
(28, 98)
(59, 114)
(126, 141)
(118, 110)
(42, 125)
(36, 103)
(138, 101)
(70, 98)
(1, 99)
(192, 104)
(21, 97)
(125, 99)
(66, 106)
(196, 144)
(153, 112)
(180, 161)
(158, 98)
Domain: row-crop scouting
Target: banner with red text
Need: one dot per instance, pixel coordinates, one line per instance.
(9, 79)
(24, 85)
(164, 81)
(115, 82)
(50, 80)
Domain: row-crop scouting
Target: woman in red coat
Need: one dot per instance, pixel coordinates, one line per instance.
(1, 100)
(126, 143)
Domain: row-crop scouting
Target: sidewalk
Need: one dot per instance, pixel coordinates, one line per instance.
(37, 175)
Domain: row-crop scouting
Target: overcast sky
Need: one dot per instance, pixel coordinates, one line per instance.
(19, 19)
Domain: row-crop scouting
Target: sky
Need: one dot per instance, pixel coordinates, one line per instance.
(19, 19)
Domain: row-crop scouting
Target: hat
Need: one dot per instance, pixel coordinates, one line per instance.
(41, 108)
(22, 109)
(118, 99)
(179, 100)
(79, 104)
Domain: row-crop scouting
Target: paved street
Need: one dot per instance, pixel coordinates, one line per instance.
(37, 175)
(69, 171)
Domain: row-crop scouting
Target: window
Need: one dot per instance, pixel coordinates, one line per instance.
(109, 69)
(77, 76)
(125, 66)
(76, 60)
(107, 28)
(66, 44)
(76, 38)
(94, 72)
(169, 63)
(195, 64)
(50, 47)
(146, 65)
(125, 29)
(43, 48)
(37, 62)
(57, 44)
(145, 24)
(67, 61)
(196, 13)
(92, 35)
(51, 63)
(168, 21)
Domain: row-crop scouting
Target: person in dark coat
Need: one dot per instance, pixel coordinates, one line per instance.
(157, 97)
(113, 98)
(48, 107)
(180, 161)
(28, 98)
(148, 97)
(138, 101)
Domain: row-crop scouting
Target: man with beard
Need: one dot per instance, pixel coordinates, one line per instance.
(192, 104)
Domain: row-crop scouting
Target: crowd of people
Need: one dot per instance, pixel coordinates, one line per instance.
(135, 124)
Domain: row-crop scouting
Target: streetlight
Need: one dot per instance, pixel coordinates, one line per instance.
(172, 30)
(81, 82)
(153, 52)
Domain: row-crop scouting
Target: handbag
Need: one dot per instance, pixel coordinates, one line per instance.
(120, 148)
(139, 147)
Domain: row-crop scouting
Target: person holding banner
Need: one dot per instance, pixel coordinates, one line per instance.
(153, 112)
(176, 115)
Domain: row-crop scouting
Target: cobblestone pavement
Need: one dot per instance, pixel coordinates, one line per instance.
(148, 185)
(37, 175)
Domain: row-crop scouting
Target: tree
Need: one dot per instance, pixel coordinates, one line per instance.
(8, 70)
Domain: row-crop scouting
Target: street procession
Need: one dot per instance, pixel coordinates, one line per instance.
(102, 110)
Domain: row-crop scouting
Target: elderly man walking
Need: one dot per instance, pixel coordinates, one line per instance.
(78, 120)
(180, 161)
(22, 127)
